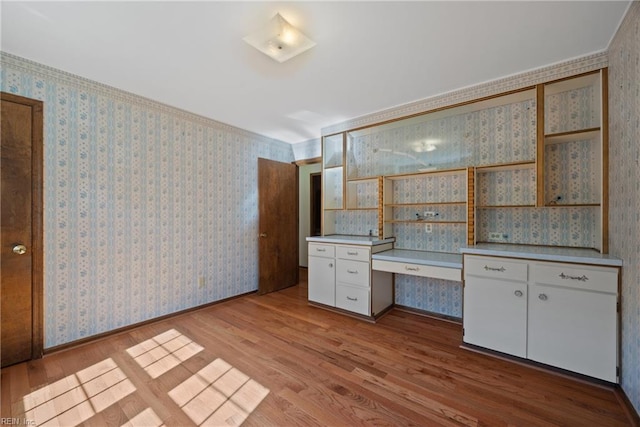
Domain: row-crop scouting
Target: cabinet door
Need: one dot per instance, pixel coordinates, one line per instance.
(322, 280)
(573, 329)
(495, 315)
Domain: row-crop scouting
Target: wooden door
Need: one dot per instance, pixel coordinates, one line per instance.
(21, 224)
(278, 225)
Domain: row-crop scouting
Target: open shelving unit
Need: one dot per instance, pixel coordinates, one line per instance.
(537, 154)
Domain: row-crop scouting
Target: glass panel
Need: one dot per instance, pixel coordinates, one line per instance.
(333, 149)
(495, 131)
(333, 188)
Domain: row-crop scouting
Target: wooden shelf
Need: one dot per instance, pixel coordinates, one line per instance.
(363, 179)
(572, 205)
(408, 205)
(413, 221)
(441, 172)
(505, 206)
(506, 166)
(374, 208)
(576, 135)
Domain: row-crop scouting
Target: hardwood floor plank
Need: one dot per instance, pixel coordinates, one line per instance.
(319, 367)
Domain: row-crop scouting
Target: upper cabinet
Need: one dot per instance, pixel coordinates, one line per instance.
(530, 167)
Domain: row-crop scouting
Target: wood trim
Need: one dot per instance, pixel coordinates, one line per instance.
(381, 207)
(108, 334)
(430, 314)
(627, 406)
(305, 162)
(540, 145)
(605, 161)
(37, 224)
(471, 206)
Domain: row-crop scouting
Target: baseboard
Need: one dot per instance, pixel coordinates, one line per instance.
(113, 332)
(629, 409)
(425, 313)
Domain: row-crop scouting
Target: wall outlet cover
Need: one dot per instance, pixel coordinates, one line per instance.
(495, 236)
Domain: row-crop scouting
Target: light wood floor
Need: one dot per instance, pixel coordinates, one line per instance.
(273, 360)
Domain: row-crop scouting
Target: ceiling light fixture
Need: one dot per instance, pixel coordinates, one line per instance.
(280, 40)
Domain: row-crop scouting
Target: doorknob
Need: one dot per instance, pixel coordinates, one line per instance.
(263, 234)
(19, 249)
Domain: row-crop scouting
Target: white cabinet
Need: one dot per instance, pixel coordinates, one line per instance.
(495, 315)
(322, 274)
(573, 318)
(340, 276)
(560, 314)
(495, 304)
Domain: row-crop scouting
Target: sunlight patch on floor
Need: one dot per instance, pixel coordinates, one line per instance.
(77, 397)
(146, 418)
(163, 352)
(218, 394)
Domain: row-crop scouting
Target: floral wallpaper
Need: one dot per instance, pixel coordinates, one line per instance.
(148, 209)
(624, 188)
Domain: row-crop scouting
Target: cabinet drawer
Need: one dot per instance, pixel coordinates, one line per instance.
(354, 253)
(495, 268)
(599, 279)
(353, 299)
(436, 272)
(316, 249)
(353, 272)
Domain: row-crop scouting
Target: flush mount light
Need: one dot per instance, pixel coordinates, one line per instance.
(280, 40)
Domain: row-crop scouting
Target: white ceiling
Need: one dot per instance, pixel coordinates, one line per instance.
(369, 55)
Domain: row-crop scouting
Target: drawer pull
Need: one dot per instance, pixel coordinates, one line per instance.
(566, 276)
(321, 250)
(543, 297)
(501, 269)
(406, 267)
(353, 253)
(518, 293)
(352, 299)
(352, 271)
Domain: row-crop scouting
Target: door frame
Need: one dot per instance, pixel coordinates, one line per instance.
(37, 205)
(314, 206)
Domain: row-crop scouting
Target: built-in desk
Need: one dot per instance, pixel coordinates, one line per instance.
(437, 265)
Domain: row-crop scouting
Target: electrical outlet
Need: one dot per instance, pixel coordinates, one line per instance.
(201, 282)
(428, 228)
(496, 236)
(430, 214)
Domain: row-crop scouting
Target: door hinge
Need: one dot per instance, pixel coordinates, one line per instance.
(462, 331)
(618, 371)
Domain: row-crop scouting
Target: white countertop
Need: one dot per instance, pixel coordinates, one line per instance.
(438, 259)
(350, 240)
(543, 253)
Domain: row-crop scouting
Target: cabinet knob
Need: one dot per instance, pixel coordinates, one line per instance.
(330, 265)
(543, 297)
(518, 293)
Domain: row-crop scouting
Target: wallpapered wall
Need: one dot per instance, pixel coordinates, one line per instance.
(141, 201)
(624, 187)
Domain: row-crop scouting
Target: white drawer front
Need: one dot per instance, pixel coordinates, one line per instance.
(354, 253)
(353, 272)
(599, 279)
(495, 268)
(418, 270)
(353, 299)
(317, 249)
